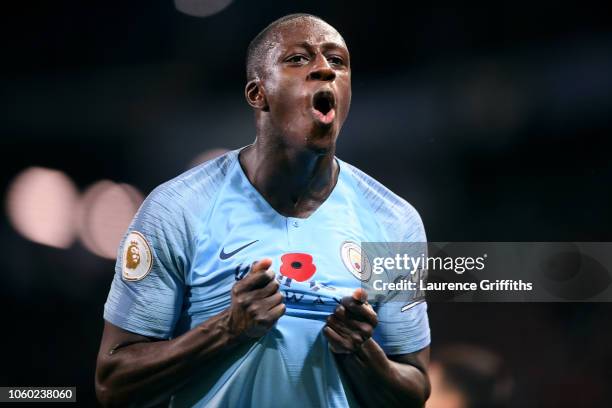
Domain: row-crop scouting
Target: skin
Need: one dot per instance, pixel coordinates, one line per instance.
(291, 163)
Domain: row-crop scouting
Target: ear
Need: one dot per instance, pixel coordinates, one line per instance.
(255, 96)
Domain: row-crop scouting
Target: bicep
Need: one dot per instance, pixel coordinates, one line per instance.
(113, 339)
(413, 370)
(418, 359)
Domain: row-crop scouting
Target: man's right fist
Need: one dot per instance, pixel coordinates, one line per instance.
(256, 302)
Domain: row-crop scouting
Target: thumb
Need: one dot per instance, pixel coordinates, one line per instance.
(360, 295)
(261, 265)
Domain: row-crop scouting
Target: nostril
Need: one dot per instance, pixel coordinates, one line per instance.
(322, 75)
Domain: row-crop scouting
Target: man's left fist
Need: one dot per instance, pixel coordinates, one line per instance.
(352, 323)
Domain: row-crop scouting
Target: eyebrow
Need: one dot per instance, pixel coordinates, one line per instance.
(325, 46)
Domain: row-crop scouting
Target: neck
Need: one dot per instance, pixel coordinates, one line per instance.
(295, 182)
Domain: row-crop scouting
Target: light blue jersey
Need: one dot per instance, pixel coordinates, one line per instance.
(197, 234)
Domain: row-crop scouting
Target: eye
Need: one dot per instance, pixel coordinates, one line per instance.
(335, 60)
(297, 59)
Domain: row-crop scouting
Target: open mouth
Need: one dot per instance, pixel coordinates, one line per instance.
(323, 103)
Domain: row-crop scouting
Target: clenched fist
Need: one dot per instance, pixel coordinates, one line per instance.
(352, 323)
(256, 302)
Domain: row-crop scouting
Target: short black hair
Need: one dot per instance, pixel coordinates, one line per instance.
(259, 46)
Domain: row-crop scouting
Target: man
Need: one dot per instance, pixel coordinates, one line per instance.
(247, 293)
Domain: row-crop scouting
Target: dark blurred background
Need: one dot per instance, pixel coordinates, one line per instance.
(493, 121)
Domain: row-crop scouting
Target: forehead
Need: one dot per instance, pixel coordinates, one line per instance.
(305, 30)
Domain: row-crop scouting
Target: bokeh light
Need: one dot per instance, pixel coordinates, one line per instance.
(207, 155)
(40, 205)
(201, 8)
(104, 214)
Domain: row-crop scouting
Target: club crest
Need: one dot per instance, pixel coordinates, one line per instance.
(350, 252)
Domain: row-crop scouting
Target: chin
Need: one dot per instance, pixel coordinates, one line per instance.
(322, 138)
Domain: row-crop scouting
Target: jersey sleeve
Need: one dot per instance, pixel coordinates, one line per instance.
(408, 331)
(147, 290)
(402, 332)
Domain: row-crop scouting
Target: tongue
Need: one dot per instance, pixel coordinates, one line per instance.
(325, 118)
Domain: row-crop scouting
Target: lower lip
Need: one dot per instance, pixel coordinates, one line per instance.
(327, 118)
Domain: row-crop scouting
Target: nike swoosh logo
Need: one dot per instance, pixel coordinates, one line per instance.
(225, 255)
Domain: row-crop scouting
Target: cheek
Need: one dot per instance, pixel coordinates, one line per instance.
(286, 98)
(346, 104)
(344, 87)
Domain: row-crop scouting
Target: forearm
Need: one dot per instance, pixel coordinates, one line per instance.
(378, 381)
(154, 370)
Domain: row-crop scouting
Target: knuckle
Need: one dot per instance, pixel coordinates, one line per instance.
(241, 301)
(252, 309)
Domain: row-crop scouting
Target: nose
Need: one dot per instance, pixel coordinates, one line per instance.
(321, 70)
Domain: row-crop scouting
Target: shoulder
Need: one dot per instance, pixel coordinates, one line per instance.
(192, 191)
(175, 210)
(171, 215)
(199, 183)
(389, 208)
